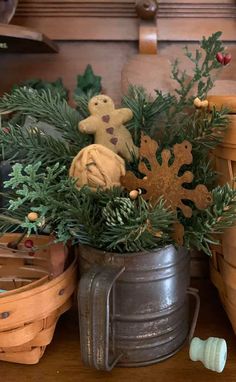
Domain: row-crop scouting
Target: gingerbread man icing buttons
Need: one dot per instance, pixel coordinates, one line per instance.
(107, 125)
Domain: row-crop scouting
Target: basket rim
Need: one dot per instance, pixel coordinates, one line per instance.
(45, 239)
(22, 294)
(32, 285)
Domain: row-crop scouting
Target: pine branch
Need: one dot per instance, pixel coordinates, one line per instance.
(83, 214)
(31, 145)
(203, 170)
(133, 226)
(56, 88)
(82, 104)
(46, 108)
(145, 110)
(204, 64)
(9, 219)
(206, 129)
(201, 229)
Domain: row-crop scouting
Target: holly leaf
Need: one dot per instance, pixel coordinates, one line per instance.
(88, 83)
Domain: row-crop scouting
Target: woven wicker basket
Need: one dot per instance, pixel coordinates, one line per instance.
(223, 262)
(33, 301)
(225, 153)
(223, 276)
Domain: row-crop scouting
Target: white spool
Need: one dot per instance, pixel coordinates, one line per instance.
(211, 352)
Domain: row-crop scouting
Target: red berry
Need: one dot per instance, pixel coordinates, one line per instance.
(29, 243)
(5, 129)
(227, 58)
(31, 253)
(220, 58)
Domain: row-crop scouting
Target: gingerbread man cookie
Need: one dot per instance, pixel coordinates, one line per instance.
(106, 123)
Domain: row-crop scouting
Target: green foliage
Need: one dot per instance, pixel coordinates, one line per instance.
(47, 108)
(206, 130)
(204, 227)
(146, 111)
(131, 225)
(108, 219)
(88, 85)
(26, 144)
(35, 189)
(170, 119)
(204, 63)
(56, 88)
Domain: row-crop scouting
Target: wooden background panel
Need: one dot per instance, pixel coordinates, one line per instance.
(106, 58)
(117, 20)
(183, 29)
(83, 28)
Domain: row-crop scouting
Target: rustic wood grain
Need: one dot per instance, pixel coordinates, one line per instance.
(114, 8)
(153, 71)
(107, 60)
(62, 363)
(18, 39)
(117, 20)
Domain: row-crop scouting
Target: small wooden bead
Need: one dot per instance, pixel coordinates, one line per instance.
(32, 216)
(133, 194)
(205, 104)
(197, 102)
(158, 234)
(200, 104)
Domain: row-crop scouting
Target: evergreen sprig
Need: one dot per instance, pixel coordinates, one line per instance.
(56, 88)
(202, 229)
(46, 108)
(206, 129)
(146, 111)
(34, 188)
(204, 64)
(84, 215)
(26, 144)
(132, 225)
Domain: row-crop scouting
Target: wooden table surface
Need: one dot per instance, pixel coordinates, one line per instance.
(61, 361)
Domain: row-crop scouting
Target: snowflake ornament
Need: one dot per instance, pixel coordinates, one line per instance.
(162, 179)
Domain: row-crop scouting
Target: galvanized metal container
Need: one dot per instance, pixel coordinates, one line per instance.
(133, 308)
